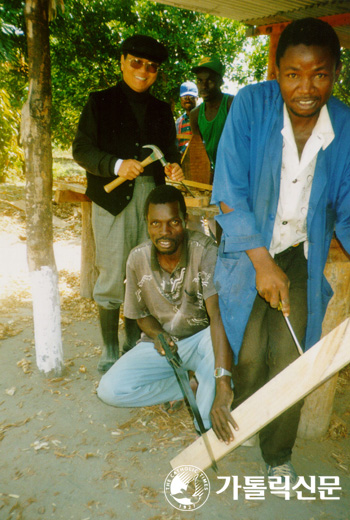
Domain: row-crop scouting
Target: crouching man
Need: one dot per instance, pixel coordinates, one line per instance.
(170, 290)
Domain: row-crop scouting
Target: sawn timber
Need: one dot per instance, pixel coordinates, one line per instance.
(319, 363)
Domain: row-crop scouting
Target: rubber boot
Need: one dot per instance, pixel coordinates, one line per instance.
(132, 334)
(109, 321)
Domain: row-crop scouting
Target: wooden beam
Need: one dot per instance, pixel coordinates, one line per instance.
(88, 270)
(296, 381)
(70, 196)
(274, 31)
(21, 205)
(193, 184)
(336, 20)
(71, 186)
(197, 202)
(271, 67)
(75, 192)
(272, 28)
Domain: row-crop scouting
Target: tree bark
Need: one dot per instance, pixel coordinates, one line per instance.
(36, 141)
(317, 410)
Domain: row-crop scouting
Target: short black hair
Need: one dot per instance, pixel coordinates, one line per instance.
(309, 31)
(163, 194)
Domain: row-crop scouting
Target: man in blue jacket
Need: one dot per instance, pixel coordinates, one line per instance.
(282, 182)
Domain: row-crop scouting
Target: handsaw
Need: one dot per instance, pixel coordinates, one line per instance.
(175, 361)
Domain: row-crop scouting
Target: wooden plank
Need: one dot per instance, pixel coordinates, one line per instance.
(70, 196)
(197, 202)
(199, 185)
(72, 186)
(335, 20)
(193, 184)
(21, 205)
(271, 67)
(196, 164)
(88, 270)
(296, 381)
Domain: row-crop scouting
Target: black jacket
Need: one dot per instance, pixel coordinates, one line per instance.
(108, 130)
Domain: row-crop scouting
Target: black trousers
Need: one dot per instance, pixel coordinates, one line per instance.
(268, 348)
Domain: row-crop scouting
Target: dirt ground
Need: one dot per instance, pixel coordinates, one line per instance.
(67, 456)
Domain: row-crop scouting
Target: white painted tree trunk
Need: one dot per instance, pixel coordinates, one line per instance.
(47, 320)
(36, 140)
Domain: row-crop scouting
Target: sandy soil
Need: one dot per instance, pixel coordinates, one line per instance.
(65, 455)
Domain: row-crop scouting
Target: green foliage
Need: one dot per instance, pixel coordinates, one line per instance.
(85, 50)
(13, 80)
(342, 88)
(12, 36)
(85, 54)
(11, 158)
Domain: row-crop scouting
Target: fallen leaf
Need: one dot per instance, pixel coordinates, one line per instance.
(37, 445)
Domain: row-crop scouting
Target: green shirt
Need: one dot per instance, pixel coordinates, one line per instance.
(211, 130)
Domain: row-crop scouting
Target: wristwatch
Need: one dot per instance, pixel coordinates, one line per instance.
(219, 372)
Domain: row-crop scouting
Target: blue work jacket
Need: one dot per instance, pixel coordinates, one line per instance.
(247, 178)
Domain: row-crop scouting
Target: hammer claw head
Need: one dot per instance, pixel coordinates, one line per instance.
(156, 153)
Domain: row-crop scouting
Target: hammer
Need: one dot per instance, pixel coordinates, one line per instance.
(156, 155)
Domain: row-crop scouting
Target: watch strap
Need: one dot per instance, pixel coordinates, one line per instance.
(220, 372)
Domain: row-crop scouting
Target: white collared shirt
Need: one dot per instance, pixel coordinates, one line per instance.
(296, 182)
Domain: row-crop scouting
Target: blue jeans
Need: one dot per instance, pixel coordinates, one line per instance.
(142, 377)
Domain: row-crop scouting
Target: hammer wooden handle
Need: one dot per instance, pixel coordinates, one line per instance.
(119, 180)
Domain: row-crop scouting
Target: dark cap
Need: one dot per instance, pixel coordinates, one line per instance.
(143, 46)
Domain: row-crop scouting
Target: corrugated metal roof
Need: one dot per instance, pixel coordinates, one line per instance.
(262, 12)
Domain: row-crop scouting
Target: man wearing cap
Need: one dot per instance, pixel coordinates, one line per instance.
(208, 119)
(114, 126)
(188, 99)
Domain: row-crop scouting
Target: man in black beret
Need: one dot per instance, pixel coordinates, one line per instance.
(114, 126)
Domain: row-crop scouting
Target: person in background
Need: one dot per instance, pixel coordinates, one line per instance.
(114, 126)
(208, 119)
(188, 100)
(283, 187)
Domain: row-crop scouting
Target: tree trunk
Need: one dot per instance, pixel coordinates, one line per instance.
(317, 410)
(36, 140)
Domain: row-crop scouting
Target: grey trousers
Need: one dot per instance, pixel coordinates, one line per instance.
(268, 348)
(115, 237)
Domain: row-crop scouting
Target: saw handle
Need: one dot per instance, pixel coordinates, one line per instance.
(172, 357)
(119, 180)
